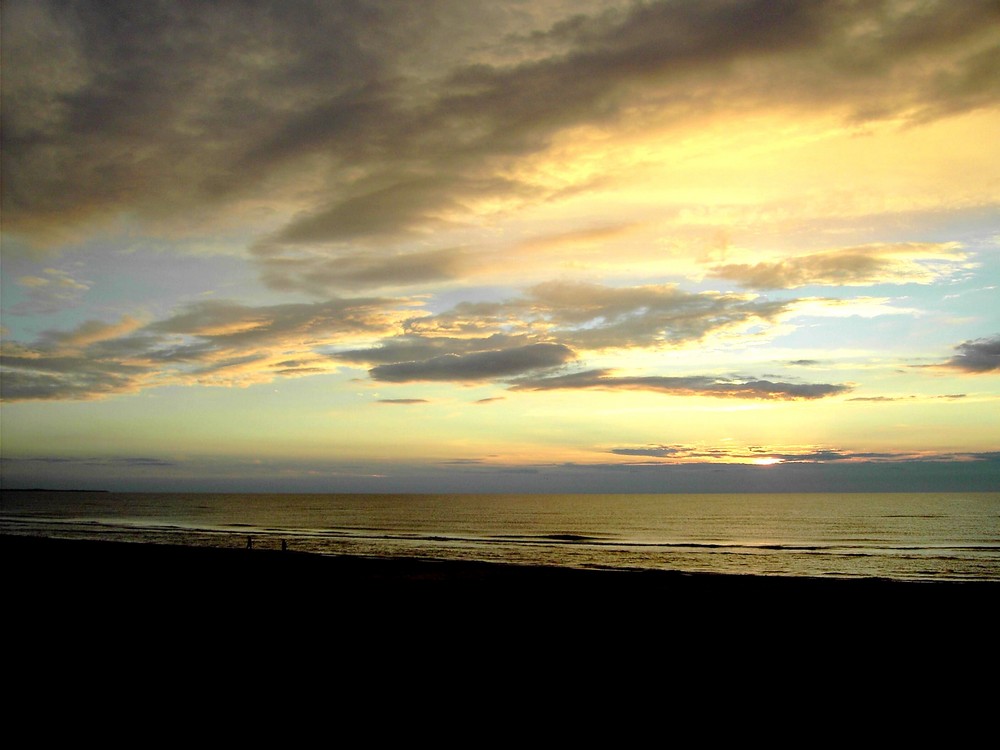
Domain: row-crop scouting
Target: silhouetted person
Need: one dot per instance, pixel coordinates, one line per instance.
(284, 546)
(249, 542)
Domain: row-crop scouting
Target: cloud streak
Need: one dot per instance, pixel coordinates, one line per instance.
(908, 263)
(478, 366)
(52, 290)
(698, 385)
(697, 454)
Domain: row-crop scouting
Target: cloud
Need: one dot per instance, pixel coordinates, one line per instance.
(477, 366)
(321, 267)
(403, 401)
(347, 135)
(109, 106)
(794, 455)
(405, 206)
(976, 356)
(697, 385)
(410, 347)
(51, 291)
(549, 324)
(319, 272)
(849, 307)
(597, 316)
(376, 122)
(893, 399)
(570, 315)
(55, 378)
(489, 340)
(905, 263)
(656, 451)
(209, 343)
(231, 323)
(880, 399)
(88, 333)
(227, 343)
(103, 461)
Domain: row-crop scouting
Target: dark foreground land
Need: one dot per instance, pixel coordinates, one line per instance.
(137, 640)
(189, 608)
(91, 578)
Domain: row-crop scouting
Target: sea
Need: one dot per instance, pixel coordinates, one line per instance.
(901, 536)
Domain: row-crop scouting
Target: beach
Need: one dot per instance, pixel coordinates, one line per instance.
(183, 621)
(171, 636)
(104, 581)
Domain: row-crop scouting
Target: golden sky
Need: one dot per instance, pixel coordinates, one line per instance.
(486, 246)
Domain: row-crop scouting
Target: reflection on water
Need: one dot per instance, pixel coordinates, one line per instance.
(952, 536)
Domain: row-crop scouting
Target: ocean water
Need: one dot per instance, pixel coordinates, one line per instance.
(905, 536)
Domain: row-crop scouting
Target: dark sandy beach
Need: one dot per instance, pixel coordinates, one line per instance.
(151, 615)
(111, 576)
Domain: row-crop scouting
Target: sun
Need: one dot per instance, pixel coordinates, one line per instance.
(769, 461)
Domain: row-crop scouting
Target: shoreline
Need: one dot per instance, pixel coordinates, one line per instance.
(38, 557)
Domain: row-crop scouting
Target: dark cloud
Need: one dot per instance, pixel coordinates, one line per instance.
(977, 356)
(403, 401)
(657, 451)
(477, 366)
(696, 385)
(57, 378)
(410, 348)
(391, 118)
(110, 105)
(857, 266)
(823, 456)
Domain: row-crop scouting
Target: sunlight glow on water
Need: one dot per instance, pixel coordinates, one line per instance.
(923, 536)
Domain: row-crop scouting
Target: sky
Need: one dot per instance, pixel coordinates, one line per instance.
(503, 245)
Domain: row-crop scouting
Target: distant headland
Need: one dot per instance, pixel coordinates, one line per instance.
(43, 489)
